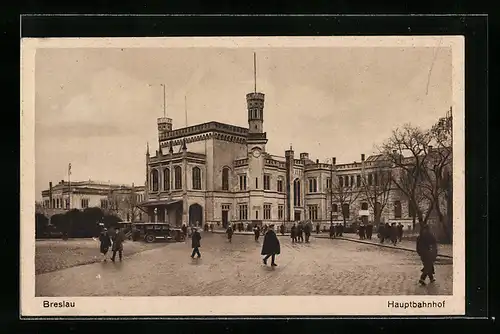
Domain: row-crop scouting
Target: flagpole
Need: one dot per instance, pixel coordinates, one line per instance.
(69, 186)
(255, 72)
(164, 101)
(185, 109)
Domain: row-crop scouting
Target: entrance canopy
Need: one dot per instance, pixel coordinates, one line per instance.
(155, 203)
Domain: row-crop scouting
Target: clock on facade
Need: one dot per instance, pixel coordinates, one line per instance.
(256, 153)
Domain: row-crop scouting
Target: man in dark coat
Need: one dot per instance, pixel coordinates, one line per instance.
(195, 243)
(427, 250)
(341, 227)
(307, 231)
(300, 233)
(118, 240)
(369, 231)
(333, 229)
(256, 232)
(394, 234)
(270, 247)
(400, 232)
(361, 230)
(230, 232)
(317, 228)
(282, 229)
(293, 233)
(105, 242)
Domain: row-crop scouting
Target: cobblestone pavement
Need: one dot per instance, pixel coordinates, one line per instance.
(57, 254)
(322, 267)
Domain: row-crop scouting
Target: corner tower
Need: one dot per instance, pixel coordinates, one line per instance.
(255, 106)
(164, 127)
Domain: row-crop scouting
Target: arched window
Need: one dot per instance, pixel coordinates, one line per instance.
(166, 179)
(154, 180)
(296, 191)
(178, 177)
(345, 210)
(225, 178)
(196, 178)
(397, 209)
(364, 206)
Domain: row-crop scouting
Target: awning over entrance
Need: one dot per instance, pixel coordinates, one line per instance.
(158, 203)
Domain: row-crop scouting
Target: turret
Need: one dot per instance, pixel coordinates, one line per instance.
(255, 106)
(164, 127)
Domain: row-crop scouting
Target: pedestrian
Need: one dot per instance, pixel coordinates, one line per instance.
(293, 233)
(333, 229)
(427, 250)
(369, 231)
(317, 228)
(195, 243)
(270, 247)
(212, 227)
(300, 232)
(394, 234)
(256, 232)
(400, 232)
(307, 231)
(230, 232)
(118, 240)
(205, 227)
(361, 231)
(184, 231)
(105, 243)
(341, 228)
(387, 232)
(282, 229)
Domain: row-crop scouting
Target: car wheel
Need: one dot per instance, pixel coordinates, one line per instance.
(150, 238)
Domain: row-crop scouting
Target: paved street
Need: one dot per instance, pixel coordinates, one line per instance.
(323, 267)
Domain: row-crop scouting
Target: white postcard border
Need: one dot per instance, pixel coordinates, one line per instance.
(238, 305)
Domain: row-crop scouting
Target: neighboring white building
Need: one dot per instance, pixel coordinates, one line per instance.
(85, 194)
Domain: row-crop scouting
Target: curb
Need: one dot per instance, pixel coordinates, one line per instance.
(382, 245)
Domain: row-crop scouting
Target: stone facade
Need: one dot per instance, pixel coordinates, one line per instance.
(237, 180)
(80, 195)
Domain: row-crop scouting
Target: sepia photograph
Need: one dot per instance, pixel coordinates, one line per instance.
(244, 176)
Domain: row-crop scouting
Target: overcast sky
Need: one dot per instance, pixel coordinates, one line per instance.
(97, 108)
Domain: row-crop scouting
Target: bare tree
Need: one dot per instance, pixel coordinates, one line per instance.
(438, 180)
(376, 188)
(345, 196)
(407, 150)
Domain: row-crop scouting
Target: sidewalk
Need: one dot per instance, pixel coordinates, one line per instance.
(443, 250)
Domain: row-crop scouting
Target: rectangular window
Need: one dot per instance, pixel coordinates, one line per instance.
(267, 182)
(243, 212)
(256, 183)
(280, 211)
(67, 203)
(375, 176)
(328, 183)
(104, 203)
(341, 181)
(267, 211)
(243, 182)
(85, 203)
(370, 179)
(313, 212)
(352, 180)
(256, 215)
(279, 186)
(358, 180)
(313, 185)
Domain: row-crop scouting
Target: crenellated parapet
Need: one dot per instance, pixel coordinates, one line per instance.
(215, 127)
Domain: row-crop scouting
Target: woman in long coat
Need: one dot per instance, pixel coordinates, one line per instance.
(427, 250)
(230, 232)
(270, 247)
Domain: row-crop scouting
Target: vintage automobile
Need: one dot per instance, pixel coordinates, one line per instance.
(150, 232)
